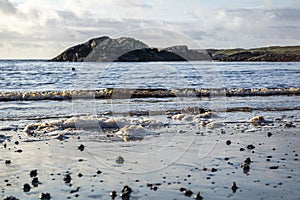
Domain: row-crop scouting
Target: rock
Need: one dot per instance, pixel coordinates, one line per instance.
(81, 147)
(45, 196)
(198, 196)
(188, 193)
(149, 54)
(26, 187)
(35, 181)
(101, 49)
(246, 168)
(248, 161)
(113, 194)
(228, 142)
(120, 160)
(234, 187)
(250, 147)
(126, 191)
(7, 162)
(10, 198)
(67, 178)
(33, 173)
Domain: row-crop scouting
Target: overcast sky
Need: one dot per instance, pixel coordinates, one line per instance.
(44, 28)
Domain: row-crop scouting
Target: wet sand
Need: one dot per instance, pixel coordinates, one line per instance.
(183, 157)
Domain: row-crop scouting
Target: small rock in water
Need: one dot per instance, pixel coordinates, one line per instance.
(113, 194)
(33, 173)
(250, 146)
(67, 178)
(19, 151)
(45, 196)
(213, 170)
(81, 147)
(26, 187)
(35, 181)
(126, 191)
(10, 198)
(120, 160)
(234, 187)
(274, 167)
(246, 168)
(188, 193)
(269, 134)
(198, 196)
(228, 142)
(7, 162)
(248, 161)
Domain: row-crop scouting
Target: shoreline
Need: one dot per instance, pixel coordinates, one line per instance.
(199, 159)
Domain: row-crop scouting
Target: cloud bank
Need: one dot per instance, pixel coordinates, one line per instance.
(32, 30)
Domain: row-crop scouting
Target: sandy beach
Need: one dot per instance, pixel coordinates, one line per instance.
(184, 159)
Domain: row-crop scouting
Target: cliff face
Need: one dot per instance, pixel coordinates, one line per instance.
(102, 49)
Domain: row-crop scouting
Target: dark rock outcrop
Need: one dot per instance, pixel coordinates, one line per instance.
(102, 49)
(125, 49)
(149, 54)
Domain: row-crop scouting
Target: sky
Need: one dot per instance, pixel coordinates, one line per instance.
(31, 29)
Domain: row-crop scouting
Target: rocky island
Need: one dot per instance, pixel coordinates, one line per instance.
(126, 49)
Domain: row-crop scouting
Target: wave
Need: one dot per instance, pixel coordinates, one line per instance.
(126, 93)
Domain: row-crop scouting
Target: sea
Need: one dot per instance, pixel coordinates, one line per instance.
(31, 77)
(165, 129)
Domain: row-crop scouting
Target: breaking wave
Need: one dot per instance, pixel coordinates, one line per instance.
(123, 93)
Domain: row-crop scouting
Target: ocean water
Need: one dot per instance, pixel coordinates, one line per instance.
(40, 75)
(35, 76)
(176, 146)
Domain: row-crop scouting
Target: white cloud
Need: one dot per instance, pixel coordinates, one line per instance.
(6, 7)
(28, 28)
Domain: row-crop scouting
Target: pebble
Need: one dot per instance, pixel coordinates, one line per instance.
(250, 146)
(234, 187)
(269, 134)
(10, 198)
(246, 168)
(81, 147)
(33, 173)
(228, 142)
(198, 196)
(26, 187)
(188, 193)
(213, 170)
(120, 160)
(67, 178)
(35, 181)
(113, 194)
(45, 196)
(248, 161)
(126, 191)
(7, 162)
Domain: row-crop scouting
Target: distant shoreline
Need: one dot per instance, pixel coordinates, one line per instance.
(125, 49)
